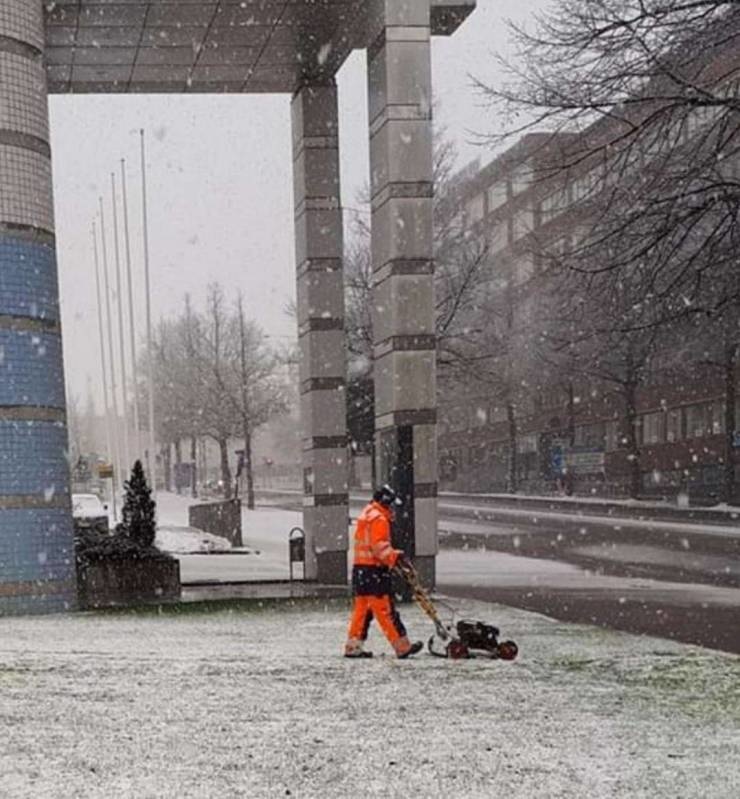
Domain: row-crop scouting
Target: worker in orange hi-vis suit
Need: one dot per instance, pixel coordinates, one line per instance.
(374, 557)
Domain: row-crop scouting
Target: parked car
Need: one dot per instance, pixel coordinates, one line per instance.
(89, 511)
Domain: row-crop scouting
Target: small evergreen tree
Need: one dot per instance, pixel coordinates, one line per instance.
(139, 509)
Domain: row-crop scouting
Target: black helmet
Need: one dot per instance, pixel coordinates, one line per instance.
(385, 495)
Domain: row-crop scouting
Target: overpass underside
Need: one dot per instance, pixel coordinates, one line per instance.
(230, 46)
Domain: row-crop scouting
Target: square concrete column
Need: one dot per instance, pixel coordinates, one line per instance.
(37, 571)
(401, 178)
(319, 243)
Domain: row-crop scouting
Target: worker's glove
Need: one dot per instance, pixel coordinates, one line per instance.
(404, 564)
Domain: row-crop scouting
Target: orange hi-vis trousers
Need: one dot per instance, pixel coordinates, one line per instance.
(383, 610)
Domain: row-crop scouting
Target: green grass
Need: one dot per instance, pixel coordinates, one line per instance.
(231, 605)
(695, 684)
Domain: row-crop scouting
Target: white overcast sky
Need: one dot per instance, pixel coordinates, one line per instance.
(220, 185)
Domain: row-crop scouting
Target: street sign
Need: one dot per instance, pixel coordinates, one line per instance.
(105, 471)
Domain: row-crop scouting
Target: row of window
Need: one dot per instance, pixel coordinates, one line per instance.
(692, 421)
(630, 161)
(658, 427)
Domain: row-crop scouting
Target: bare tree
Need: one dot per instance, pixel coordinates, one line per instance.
(216, 378)
(258, 395)
(641, 101)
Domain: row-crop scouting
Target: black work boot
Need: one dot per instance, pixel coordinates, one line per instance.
(357, 654)
(414, 649)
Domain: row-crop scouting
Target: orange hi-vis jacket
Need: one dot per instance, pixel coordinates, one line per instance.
(373, 538)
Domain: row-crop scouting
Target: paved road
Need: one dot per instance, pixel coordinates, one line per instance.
(671, 580)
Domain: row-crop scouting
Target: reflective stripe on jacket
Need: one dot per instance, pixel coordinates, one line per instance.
(373, 537)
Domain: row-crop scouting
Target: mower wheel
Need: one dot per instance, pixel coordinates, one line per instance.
(456, 650)
(507, 650)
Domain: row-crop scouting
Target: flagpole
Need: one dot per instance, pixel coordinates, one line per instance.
(150, 355)
(116, 439)
(121, 336)
(103, 369)
(132, 324)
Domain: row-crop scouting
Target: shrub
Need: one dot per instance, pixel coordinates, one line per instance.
(139, 510)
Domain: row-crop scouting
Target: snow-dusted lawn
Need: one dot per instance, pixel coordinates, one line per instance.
(259, 704)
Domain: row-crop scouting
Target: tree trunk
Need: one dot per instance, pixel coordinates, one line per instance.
(571, 414)
(203, 461)
(728, 481)
(167, 464)
(225, 470)
(194, 467)
(178, 461)
(248, 465)
(513, 458)
(633, 447)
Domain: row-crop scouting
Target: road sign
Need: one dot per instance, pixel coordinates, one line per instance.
(105, 471)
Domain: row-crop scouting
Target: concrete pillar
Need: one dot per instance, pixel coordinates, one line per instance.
(36, 538)
(320, 306)
(400, 111)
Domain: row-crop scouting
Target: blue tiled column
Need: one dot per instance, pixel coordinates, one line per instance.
(36, 547)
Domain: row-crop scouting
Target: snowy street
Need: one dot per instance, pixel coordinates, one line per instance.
(259, 703)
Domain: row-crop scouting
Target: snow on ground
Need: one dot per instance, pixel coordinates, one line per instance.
(260, 704)
(179, 539)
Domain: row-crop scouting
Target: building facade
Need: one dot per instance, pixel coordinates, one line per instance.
(566, 431)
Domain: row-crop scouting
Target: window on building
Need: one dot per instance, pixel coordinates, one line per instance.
(527, 443)
(653, 428)
(498, 239)
(612, 436)
(718, 418)
(523, 270)
(586, 186)
(674, 425)
(590, 435)
(523, 223)
(705, 419)
(554, 204)
(520, 179)
(497, 195)
(696, 421)
(475, 208)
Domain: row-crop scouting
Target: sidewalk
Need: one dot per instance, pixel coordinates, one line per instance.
(259, 704)
(575, 506)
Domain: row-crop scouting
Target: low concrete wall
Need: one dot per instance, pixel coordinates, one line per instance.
(112, 583)
(219, 518)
